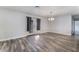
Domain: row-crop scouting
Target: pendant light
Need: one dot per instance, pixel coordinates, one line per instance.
(51, 18)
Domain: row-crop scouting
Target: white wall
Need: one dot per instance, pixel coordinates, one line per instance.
(43, 27)
(61, 25)
(13, 24)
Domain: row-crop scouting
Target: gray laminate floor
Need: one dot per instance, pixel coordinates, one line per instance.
(47, 42)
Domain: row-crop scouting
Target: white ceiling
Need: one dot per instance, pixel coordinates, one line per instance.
(45, 10)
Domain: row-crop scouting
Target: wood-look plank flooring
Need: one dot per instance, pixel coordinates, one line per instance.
(47, 42)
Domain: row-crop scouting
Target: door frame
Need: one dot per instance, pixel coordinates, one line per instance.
(73, 25)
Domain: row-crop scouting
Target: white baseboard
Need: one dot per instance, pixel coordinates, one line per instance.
(26, 34)
(13, 38)
(61, 33)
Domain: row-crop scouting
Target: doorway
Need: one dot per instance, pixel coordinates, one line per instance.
(75, 25)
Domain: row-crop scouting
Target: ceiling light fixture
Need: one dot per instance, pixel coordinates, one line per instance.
(51, 18)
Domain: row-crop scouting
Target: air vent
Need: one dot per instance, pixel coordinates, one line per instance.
(37, 6)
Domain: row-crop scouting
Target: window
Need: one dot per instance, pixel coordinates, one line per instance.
(38, 24)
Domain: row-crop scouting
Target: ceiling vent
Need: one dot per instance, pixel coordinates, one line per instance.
(37, 6)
